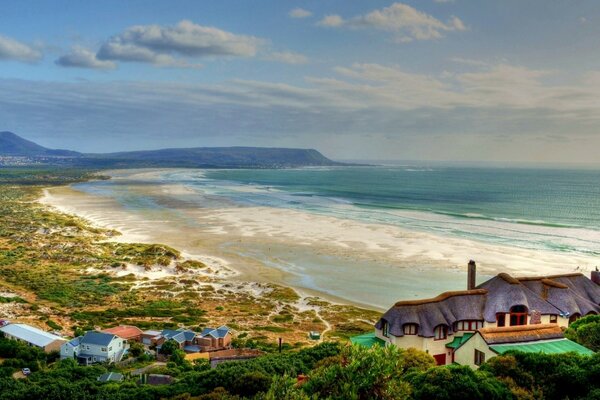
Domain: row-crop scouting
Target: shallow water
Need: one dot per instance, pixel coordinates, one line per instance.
(371, 235)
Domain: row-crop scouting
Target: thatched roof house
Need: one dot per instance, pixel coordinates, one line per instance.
(502, 307)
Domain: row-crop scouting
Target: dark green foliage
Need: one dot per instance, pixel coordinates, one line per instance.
(555, 376)
(586, 331)
(169, 347)
(457, 382)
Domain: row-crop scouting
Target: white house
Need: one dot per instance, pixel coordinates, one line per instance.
(94, 347)
(441, 325)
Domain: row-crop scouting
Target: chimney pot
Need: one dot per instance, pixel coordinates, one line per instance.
(472, 275)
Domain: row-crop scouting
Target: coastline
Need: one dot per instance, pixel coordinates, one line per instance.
(316, 255)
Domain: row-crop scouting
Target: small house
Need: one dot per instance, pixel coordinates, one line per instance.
(94, 347)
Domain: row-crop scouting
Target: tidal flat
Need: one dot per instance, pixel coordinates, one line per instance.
(68, 274)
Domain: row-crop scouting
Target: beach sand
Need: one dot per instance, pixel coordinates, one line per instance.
(341, 260)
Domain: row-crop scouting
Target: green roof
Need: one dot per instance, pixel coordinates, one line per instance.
(367, 340)
(459, 340)
(547, 347)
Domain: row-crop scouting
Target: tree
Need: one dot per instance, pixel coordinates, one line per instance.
(169, 347)
(586, 331)
(136, 349)
(457, 382)
(361, 373)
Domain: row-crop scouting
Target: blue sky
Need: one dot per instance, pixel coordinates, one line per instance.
(505, 81)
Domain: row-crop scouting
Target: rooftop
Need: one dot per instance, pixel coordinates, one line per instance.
(441, 297)
(367, 340)
(556, 346)
(97, 338)
(517, 334)
(124, 331)
(30, 334)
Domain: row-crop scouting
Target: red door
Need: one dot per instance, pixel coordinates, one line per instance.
(440, 359)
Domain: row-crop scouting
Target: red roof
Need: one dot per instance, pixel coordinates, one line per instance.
(125, 331)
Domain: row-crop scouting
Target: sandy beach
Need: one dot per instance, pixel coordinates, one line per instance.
(339, 259)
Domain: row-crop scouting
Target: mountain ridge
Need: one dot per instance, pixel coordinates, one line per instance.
(194, 157)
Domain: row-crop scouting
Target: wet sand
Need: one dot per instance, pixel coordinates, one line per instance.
(341, 260)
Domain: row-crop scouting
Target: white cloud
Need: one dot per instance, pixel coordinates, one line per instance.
(80, 57)
(469, 61)
(299, 13)
(11, 49)
(404, 21)
(288, 57)
(331, 21)
(381, 102)
(170, 45)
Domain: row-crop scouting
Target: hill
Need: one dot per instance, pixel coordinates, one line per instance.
(14, 145)
(199, 157)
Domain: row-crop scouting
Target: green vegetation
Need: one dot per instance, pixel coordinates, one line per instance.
(327, 371)
(586, 331)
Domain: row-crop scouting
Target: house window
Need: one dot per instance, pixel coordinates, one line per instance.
(501, 319)
(385, 327)
(103, 349)
(468, 325)
(553, 318)
(479, 357)
(410, 329)
(518, 315)
(441, 332)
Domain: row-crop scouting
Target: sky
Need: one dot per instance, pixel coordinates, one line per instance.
(433, 80)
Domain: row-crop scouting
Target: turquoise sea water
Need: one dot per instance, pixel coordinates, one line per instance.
(555, 211)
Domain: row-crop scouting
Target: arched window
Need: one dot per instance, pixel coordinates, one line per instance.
(410, 329)
(440, 332)
(518, 315)
(574, 318)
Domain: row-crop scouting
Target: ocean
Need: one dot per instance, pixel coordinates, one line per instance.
(533, 211)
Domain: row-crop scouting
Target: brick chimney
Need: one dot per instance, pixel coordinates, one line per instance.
(472, 274)
(596, 276)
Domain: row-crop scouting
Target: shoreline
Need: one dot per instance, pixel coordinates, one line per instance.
(126, 234)
(313, 254)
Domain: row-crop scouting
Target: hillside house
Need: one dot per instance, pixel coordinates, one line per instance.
(441, 325)
(191, 342)
(33, 336)
(94, 347)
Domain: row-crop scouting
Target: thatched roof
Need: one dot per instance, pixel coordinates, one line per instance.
(504, 294)
(444, 309)
(557, 294)
(569, 293)
(517, 334)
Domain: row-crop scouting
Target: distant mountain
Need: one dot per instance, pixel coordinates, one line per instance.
(200, 157)
(13, 145)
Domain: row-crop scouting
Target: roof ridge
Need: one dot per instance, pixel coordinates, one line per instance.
(508, 278)
(540, 277)
(442, 297)
(518, 328)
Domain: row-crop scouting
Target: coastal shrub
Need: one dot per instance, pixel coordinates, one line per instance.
(457, 382)
(586, 331)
